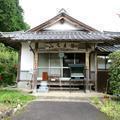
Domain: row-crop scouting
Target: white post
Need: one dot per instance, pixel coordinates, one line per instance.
(87, 71)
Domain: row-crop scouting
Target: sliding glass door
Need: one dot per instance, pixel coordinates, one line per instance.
(56, 66)
(50, 63)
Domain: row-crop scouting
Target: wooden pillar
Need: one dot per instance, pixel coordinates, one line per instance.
(61, 65)
(87, 70)
(35, 66)
(95, 71)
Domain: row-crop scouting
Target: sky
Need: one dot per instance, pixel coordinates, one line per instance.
(99, 14)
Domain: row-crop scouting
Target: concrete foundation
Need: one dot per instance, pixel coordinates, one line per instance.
(24, 85)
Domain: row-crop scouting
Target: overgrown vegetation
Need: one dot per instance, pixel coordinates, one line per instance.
(11, 19)
(114, 73)
(13, 97)
(8, 65)
(110, 107)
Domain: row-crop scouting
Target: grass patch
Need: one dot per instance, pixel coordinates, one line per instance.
(13, 97)
(110, 107)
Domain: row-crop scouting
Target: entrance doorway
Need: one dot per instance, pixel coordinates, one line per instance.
(61, 75)
(72, 58)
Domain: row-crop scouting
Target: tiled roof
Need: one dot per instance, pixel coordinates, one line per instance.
(58, 36)
(11, 34)
(108, 48)
(112, 34)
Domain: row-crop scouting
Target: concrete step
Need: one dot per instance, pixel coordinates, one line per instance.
(63, 100)
(67, 96)
(63, 88)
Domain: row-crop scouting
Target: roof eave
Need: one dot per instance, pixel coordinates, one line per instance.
(63, 40)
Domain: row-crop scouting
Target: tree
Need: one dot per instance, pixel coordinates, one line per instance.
(114, 72)
(11, 16)
(11, 19)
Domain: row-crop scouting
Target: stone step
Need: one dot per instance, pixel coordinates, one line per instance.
(63, 88)
(63, 99)
(67, 96)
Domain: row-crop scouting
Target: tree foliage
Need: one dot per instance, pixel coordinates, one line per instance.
(114, 72)
(11, 16)
(11, 19)
(8, 65)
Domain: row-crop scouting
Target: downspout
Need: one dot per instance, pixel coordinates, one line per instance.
(29, 42)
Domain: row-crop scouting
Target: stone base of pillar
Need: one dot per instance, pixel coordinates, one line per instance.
(35, 90)
(87, 91)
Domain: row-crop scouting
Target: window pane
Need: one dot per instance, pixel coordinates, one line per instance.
(107, 62)
(66, 72)
(79, 58)
(55, 72)
(54, 60)
(68, 59)
(101, 62)
(43, 63)
(43, 60)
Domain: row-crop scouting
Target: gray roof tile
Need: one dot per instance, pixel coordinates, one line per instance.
(58, 35)
(108, 48)
(112, 34)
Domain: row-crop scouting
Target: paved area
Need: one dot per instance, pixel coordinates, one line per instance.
(49, 110)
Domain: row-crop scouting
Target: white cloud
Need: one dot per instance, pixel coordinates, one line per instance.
(100, 14)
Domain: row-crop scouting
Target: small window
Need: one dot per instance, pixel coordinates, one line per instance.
(103, 62)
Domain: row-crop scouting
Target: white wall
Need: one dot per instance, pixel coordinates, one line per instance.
(27, 57)
(64, 26)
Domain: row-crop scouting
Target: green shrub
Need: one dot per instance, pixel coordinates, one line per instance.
(112, 109)
(8, 65)
(114, 73)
